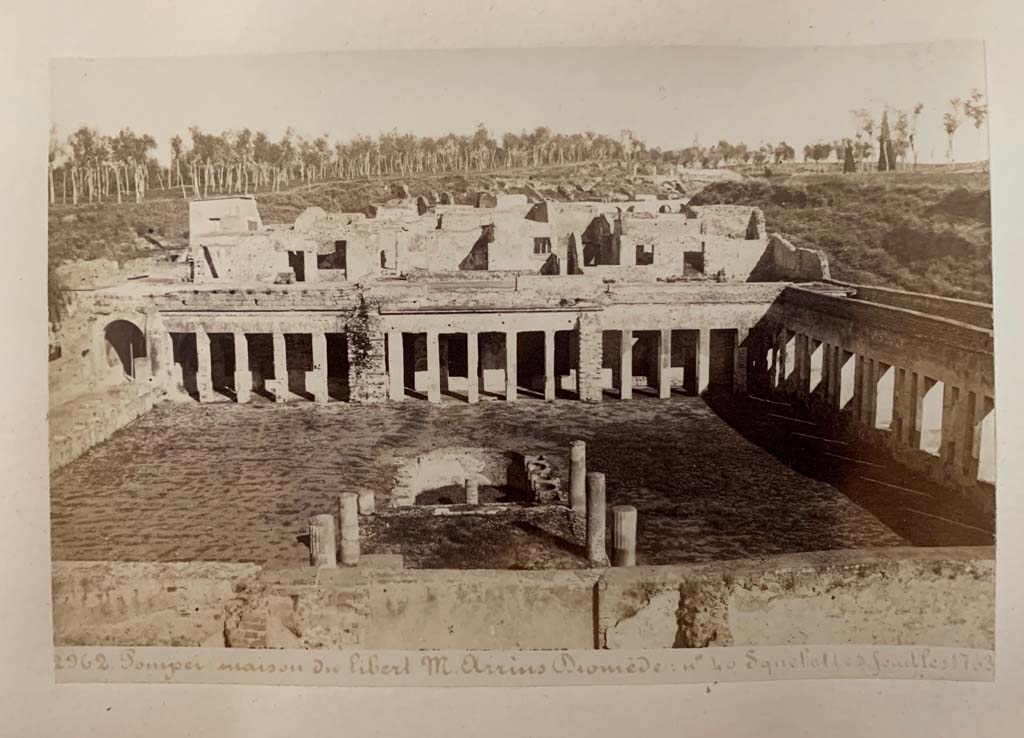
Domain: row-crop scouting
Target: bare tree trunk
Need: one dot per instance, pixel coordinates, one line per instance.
(117, 174)
(49, 173)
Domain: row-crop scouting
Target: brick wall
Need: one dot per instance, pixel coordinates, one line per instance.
(368, 377)
(589, 355)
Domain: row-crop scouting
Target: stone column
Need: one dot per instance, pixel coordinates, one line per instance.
(322, 552)
(803, 365)
(952, 423)
(665, 364)
(348, 516)
(781, 359)
(316, 380)
(869, 402)
(279, 385)
(626, 365)
(473, 367)
(825, 386)
(396, 366)
(703, 360)
(549, 366)
(898, 407)
(472, 491)
(204, 377)
(510, 366)
(915, 398)
(309, 266)
(367, 502)
(243, 376)
(970, 456)
(739, 363)
(578, 477)
(433, 367)
(859, 385)
(596, 553)
(159, 349)
(623, 535)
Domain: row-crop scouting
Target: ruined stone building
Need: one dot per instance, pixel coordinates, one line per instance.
(561, 301)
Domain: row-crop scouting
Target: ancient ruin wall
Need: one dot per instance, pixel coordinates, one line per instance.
(964, 311)
(920, 596)
(934, 597)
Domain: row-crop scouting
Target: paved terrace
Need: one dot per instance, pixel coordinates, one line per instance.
(238, 482)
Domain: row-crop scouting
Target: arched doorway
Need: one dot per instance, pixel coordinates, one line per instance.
(125, 342)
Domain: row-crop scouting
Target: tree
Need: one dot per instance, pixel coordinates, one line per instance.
(56, 152)
(849, 163)
(886, 150)
(951, 122)
(976, 109)
(912, 129)
(784, 152)
(865, 124)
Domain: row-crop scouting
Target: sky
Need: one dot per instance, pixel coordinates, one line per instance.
(668, 96)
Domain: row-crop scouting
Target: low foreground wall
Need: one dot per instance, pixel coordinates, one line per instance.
(900, 596)
(81, 424)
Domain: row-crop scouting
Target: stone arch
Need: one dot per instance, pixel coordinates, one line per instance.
(124, 342)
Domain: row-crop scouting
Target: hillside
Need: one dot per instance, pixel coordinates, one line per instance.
(922, 231)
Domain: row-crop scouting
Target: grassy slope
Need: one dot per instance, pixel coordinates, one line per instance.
(925, 231)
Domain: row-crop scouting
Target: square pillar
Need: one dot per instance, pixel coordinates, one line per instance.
(859, 385)
(836, 377)
(587, 355)
(396, 366)
(665, 364)
(739, 370)
(703, 360)
(916, 409)
(309, 266)
(825, 387)
(204, 375)
(316, 380)
(243, 377)
(279, 384)
(952, 423)
(510, 366)
(804, 345)
(549, 366)
(869, 402)
(473, 368)
(781, 358)
(626, 365)
(433, 367)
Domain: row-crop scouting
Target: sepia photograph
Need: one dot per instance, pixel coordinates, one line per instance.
(661, 349)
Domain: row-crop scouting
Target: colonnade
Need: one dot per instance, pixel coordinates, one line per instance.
(703, 368)
(916, 412)
(396, 365)
(276, 384)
